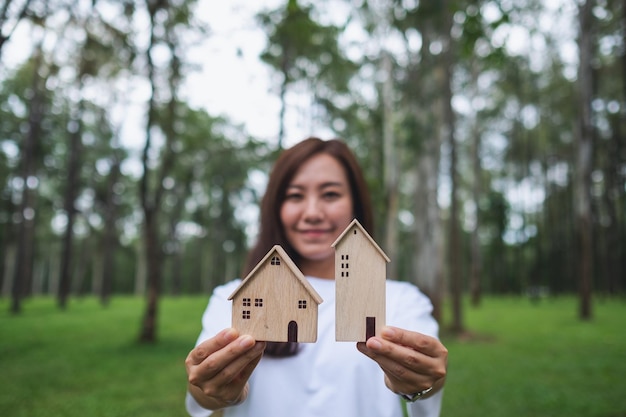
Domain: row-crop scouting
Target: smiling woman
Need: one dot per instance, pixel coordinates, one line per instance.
(314, 191)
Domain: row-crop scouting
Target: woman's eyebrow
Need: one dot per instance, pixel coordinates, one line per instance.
(322, 185)
(332, 184)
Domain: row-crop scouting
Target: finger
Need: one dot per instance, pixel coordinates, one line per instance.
(228, 384)
(240, 369)
(250, 367)
(417, 341)
(209, 346)
(405, 369)
(397, 359)
(226, 364)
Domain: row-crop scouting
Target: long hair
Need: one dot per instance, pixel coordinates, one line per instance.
(271, 230)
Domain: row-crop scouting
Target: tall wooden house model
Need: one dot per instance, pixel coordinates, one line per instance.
(275, 302)
(360, 275)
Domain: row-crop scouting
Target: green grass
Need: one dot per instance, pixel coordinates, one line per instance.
(86, 361)
(539, 360)
(522, 360)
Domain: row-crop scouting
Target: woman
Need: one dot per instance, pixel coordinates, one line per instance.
(315, 189)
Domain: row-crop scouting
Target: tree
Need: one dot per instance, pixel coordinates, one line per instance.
(449, 126)
(585, 158)
(420, 126)
(161, 118)
(151, 196)
(26, 209)
(300, 49)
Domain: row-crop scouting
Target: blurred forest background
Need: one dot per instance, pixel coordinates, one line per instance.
(491, 132)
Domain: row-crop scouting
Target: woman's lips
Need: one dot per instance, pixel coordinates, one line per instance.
(314, 233)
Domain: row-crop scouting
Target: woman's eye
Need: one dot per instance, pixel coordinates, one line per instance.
(331, 195)
(293, 196)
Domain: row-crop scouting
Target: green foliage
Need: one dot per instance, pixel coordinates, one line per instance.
(299, 47)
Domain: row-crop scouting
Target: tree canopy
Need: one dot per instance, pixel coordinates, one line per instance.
(491, 134)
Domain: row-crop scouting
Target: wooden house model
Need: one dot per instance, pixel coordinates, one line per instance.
(360, 275)
(275, 302)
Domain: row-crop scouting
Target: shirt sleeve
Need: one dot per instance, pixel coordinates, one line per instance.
(408, 308)
(430, 407)
(216, 317)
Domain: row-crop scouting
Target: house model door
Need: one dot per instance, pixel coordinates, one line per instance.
(370, 327)
(292, 332)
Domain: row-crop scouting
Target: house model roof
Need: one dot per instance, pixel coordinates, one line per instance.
(277, 249)
(355, 223)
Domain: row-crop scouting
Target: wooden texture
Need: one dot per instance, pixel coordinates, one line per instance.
(360, 275)
(275, 302)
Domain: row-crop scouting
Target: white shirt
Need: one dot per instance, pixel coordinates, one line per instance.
(326, 378)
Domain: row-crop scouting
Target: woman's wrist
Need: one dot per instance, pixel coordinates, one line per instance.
(212, 403)
(417, 395)
(426, 393)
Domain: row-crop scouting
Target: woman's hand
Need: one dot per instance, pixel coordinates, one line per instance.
(218, 369)
(412, 362)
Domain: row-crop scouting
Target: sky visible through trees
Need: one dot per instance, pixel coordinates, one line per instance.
(476, 100)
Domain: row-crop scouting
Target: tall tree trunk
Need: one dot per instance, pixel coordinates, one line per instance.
(175, 255)
(150, 205)
(584, 161)
(476, 259)
(449, 125)
(148, 333)
(151, 199)
(109, 240)
(618, 200)
(7, 252)
(71, 188)
(427, 260)
(23, 271)
(141, 268)
(391, 167)
(425, 99)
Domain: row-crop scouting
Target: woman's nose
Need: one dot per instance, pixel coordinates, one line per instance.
(312, 208)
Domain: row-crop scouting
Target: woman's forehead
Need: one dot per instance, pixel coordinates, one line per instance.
(322, 168)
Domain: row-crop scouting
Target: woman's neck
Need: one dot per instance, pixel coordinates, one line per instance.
(320, 269)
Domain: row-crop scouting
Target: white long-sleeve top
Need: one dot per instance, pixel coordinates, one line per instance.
(326, 378)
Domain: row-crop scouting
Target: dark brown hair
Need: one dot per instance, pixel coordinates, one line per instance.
(271, 230)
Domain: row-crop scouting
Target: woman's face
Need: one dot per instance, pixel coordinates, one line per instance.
(317, 207)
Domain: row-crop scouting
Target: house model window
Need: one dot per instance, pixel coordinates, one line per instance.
(275, 260)
(301, 304)
(246, 302)
(345, 266)
(258, 302)
(245, 315)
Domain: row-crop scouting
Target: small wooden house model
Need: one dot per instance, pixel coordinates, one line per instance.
(360, 275)
(275, 302)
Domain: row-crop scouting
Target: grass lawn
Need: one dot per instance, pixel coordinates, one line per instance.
(86, 362)
(539, 360)
(521, 360)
